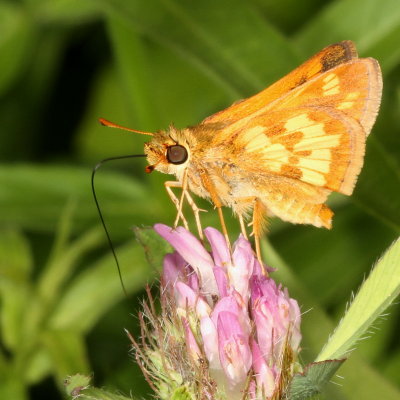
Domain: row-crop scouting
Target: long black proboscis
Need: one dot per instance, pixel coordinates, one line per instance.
(101, 214)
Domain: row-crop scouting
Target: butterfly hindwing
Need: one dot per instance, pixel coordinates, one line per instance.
(321, 147)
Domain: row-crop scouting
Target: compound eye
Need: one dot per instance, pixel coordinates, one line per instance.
(177, 154)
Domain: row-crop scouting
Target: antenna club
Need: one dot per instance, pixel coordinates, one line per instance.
(104, 122)
(110, 124)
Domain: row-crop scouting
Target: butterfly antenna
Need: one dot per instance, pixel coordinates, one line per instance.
(110, 124)
(101, 214)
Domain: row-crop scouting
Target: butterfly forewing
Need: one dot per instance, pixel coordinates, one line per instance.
(323, 61)
(313, 131)
(353, 88)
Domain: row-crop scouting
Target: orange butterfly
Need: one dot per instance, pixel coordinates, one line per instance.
(282, 151)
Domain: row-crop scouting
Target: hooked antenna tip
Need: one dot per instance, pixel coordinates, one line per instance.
(110, 124)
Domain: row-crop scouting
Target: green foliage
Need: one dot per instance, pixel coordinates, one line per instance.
(376, 294)
(154, 248)
(313, 380)
(147, 64)
(77, 386)
(316, 328)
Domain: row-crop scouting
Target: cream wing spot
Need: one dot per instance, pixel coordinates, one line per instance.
(313, 131)
(352, 96)
(316, 165)
(255, 138)
(274, 154)
(345, 105)
(313, 177)
(331, 86)
(273, 165)
(332, 91)
(298, 122)
(302, 123)
(278, 151)
(313, 146)
(330, 81)
(320, 154)
(321, 142)
(348, 103)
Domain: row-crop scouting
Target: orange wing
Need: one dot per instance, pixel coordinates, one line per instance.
(323, 61)
(311, 124)
(317, 146)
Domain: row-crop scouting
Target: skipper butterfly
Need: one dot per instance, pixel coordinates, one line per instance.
(282, 151)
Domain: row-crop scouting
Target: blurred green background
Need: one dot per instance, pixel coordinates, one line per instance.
(146, 64)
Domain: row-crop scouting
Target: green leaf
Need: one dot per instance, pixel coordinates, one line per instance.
(47, 292)
(15, 271)
(34, 197)
(200, 33)
(375, 295)
(98, 288)
(339, 254)
(75, 384)
(375, 32)
(67, 351)
(37, 362)
(380, 171)
(13, 388)
(15, 256)
(100, 394)
(154, 246)
(72, 12)
(182, 393)
(61, 266)
(316, 327)
(14, 300)
(17, 39)
(288, 15)
(133, 69)
(312, 381)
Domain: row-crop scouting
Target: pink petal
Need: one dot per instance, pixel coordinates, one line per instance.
(264, 375)
(193, 252)
(227, 303)
(241, 269)
(219, 248)
(210, 340)
(264, 330)
(275, 316)
(295, 317)
(234, 349)
(187, 297)
(222, 281)
(174, 266)
(232, 305)
(191, 343)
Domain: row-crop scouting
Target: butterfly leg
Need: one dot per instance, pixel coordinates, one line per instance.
(223, 226)
(258, 223)
(243, 204)
(196, 212)
(184, 189)
(209, 185)
(178, 204)
(242, 226)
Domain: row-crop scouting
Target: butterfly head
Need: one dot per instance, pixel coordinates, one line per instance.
(168, 151)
